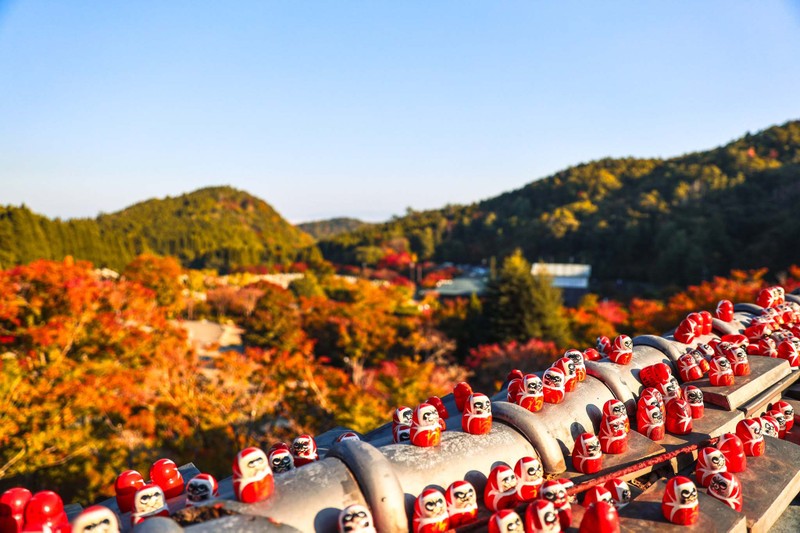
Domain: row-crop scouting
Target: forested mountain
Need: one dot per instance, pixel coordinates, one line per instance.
(216, 227)
(674, 220)
(322, 229)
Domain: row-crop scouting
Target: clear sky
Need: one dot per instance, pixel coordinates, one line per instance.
(345, 108)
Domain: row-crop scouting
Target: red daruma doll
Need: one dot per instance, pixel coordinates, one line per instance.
(710, 461)
(781, 421)
(613, 437)
(430, 513)
(708, 322)
(580, 366)
(788, 413)
(679, 504)
(724, 310)
(515, 390)
(477, 417)
(726, 488)
(615, 407)
(600, 517)
(679, 417)
(603, 345)
(356, 519)
(441, 409)
(45, 512)
(720, 373)
(201, 488)
(96, 519)
(126, 486)
(652, 397)
(598, 493)
(12, 509)
(590, 354)
(402, 416)
(425, 428)
(736, 354)
(149, 502)
(622, 350)
(461, 393)
(530, 477)
(694, 396)
(566, 365)
(689, 328)
(505, 521)
(165, 474)
(670, 389)
(401, 434)
(587, 457)
(620, 492)
(252, 476)
(688, 368)
(462, 503)
(553, 380)
(649, 420)
(653, 375)
(532, 397)
(347, 435)
(770, 426)
(541, 517)
(749, 431)
(555, 491)
(501, 489)
(732, 448)
(788, 351)
(304, 450)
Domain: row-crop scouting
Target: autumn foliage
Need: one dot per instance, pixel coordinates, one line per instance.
(97, 375)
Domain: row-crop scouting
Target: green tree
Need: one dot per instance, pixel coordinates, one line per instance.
(275, 321)
(520, 306)
(308, 286)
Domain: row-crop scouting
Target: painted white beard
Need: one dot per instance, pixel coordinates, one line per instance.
(465, 509)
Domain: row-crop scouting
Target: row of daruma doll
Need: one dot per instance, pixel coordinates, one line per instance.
(44, 511)
(532, 392)
(423, 426)
(774, 333)
(549, 506)
(252, 481)
(716, 468)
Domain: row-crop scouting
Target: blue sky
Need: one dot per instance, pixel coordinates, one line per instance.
(365, 108)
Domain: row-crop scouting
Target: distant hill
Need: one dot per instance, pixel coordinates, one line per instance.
(215, 227)
(670, 221)
(322, 229)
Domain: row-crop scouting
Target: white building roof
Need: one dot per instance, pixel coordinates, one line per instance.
(565, 275)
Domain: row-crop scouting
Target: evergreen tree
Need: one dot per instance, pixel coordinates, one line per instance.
(520, 306)
(308, 286)
(548, 312)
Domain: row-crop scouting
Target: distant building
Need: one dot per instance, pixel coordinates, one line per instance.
(572, 279)
(458, 287)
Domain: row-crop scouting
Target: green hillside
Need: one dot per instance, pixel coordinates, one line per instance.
(676, 220)
(216, 227)
(324, 229)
